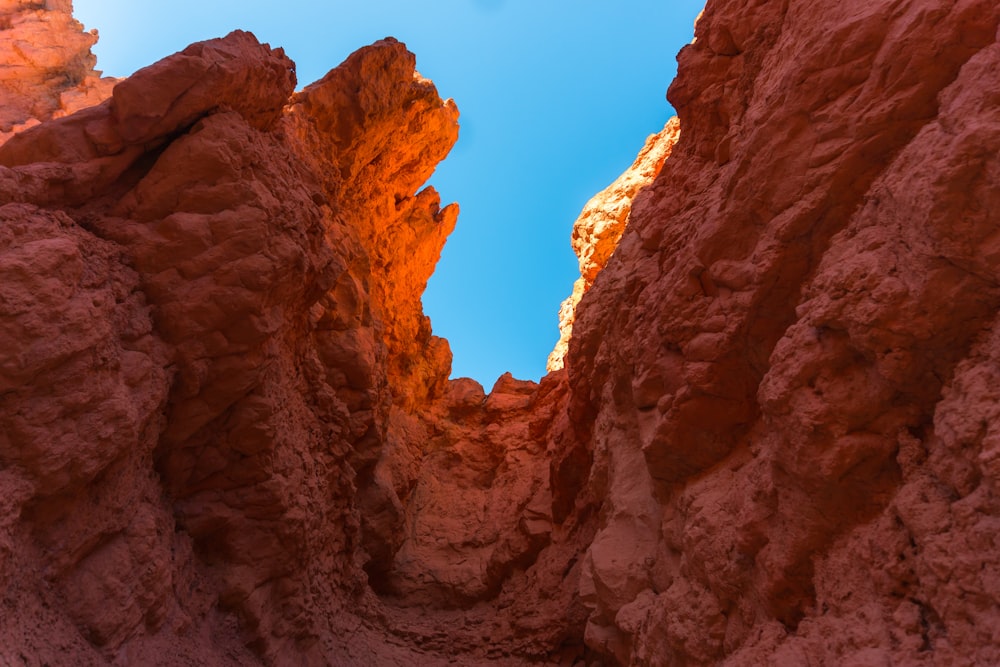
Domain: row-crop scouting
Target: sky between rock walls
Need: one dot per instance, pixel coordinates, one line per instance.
(556, 96)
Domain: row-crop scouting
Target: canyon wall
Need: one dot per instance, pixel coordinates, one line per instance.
(227, 432)
(784, 366)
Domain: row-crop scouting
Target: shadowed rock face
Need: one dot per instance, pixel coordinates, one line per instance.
(227, 435)
(771, 361)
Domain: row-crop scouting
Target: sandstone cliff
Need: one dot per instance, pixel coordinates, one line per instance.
(227, 435)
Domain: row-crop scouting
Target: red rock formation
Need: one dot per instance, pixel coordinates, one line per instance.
(602, 222)
(775, 359)
(227, 434)
(48, 69)
(212, 341)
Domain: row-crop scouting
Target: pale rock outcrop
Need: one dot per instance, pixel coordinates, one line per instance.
(46, 67)
(227, 433)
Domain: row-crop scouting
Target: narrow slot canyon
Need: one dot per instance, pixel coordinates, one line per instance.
(768, 434)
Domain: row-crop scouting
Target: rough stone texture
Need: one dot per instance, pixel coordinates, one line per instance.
(46, 67)
(194, 369)
(602, 222)
(227, 435)
(778, 361)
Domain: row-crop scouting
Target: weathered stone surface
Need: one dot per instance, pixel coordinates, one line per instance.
(195, 344)
(602, 222)
(227, 435)
(47, 68)
(767, 360)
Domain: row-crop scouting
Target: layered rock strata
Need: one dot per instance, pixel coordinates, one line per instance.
(227, 435)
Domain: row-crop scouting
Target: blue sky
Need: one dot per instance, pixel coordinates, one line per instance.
(557, 98)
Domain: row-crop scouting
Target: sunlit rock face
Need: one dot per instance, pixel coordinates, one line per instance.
(227, 433)
(602, 222)
(196, 343)
(48, 68)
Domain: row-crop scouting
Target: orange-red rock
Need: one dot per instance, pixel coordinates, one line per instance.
(227, 435)
(207, 392)
(48, 69)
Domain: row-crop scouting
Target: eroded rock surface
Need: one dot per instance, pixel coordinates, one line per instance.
(194, 379)
(771, 361)
(602, 222)
(47, 68)
(228, 436)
